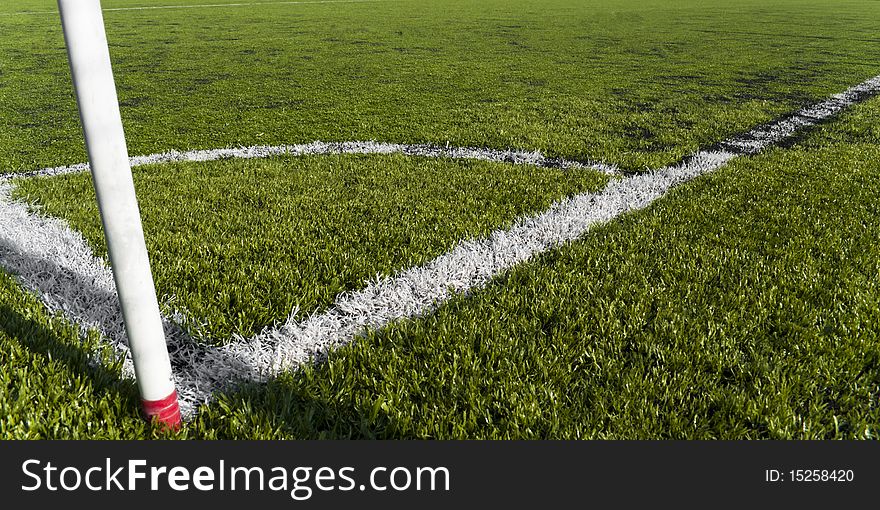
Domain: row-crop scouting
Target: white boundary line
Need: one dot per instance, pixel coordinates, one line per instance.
(55, 262)
(513, 156)
(201, 6)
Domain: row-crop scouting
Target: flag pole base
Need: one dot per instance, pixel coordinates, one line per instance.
(165, 412)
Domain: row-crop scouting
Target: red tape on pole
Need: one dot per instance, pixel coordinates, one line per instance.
(166, 411)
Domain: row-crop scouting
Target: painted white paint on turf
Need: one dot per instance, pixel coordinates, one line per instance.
(471, 264)
(759, 138)
(55, 262)
(512, 156)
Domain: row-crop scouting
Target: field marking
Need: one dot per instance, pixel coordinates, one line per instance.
(55, 262)
(199, 6)
(512, 156)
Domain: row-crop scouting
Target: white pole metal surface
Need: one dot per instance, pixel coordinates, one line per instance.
(89, 57)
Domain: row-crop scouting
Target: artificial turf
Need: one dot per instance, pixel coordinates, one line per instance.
(745, 304)
(633, 82)
(50, 384)
(237, 245)
(742, 305)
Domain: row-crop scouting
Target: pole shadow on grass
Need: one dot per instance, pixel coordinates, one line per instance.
(292, 407)
(40, 340)
(285, 407)
(279, 402)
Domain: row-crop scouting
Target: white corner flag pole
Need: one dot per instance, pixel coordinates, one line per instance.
(89, 57)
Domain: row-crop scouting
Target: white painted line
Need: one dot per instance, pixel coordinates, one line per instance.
(202, 6)
(55, 262)
(512, 156)
(470, 265)
(763, 136)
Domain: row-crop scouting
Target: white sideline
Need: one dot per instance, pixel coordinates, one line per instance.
(55, 262)
(200, 6)
(513, 156)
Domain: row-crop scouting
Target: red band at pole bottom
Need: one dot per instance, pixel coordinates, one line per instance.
(166, 411)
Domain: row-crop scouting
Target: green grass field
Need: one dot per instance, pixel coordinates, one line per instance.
(246, 242)
(633, 82)
(742, 305)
